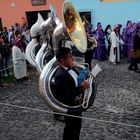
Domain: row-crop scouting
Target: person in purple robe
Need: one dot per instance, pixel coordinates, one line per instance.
(125, 37)
(136, 50)
(101, 52)
(90, 30)
(130, 35)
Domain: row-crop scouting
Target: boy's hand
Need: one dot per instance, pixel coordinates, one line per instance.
(85, 84)
(83, 75)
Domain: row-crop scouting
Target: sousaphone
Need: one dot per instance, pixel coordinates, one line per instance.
(34, 44)
(45, 54)
(71, 27)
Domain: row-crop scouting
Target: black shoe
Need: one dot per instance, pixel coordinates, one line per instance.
(131, 68)
(25, 78)
(18, 80)
(137, 70)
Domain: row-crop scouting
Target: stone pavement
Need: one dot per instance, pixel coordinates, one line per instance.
(115, 114)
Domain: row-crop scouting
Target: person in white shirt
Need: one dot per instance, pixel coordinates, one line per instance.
(116, 40)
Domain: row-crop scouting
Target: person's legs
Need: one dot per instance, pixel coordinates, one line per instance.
(88, 58)
(136, 69)
(5, 66)
(0, 74)
(132, 64)
(108, 49)
(135, 64)
(72, 128)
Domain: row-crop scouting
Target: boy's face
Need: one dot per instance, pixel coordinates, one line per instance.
(68, 60)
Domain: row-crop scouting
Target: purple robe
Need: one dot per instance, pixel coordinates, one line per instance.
(130, 36)
(100, 53)
(128, 40)
(125, 39)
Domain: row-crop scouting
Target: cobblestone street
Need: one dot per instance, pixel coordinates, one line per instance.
(115, 114)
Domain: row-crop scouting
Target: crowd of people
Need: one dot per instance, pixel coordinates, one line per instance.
(9, 37)
(103, 44)
(114, 44)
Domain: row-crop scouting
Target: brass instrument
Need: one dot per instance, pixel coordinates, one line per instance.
(30, 49)
(46, 30)
(71, 27)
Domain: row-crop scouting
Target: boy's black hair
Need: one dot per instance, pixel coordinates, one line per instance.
(62, 52)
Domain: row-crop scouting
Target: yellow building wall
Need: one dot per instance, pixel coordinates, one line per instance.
(12, 11)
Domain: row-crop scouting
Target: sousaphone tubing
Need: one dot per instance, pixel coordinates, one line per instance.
(71, 27)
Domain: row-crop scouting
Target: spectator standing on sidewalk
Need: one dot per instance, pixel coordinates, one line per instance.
(5, 34)
(10, 36)
(116, 41)
(108, 31)
(0, 65)
(5, 53)
(19, 60)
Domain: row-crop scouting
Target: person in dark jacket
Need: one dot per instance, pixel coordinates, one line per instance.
(91, 44)
(0, 63)
(69, 91)
(5, 53)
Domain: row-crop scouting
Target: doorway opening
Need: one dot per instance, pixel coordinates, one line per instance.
(32, 16)
(0, 24)
(86, 15)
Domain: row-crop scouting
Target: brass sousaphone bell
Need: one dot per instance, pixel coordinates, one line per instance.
(72, 28)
